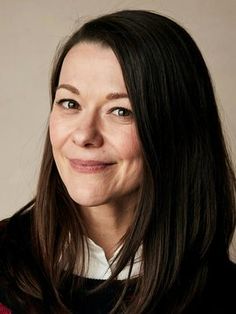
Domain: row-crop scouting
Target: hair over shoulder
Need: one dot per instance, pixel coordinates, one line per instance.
(185, 215)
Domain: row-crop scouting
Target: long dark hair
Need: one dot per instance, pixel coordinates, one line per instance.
(185, 214)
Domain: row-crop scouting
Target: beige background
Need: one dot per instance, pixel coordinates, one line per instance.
(30, 31)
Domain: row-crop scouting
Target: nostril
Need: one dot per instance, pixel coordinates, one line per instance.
(87, 139)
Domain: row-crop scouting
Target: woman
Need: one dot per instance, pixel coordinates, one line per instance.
(135, 207)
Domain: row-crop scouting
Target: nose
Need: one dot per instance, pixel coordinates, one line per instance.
(87, 132)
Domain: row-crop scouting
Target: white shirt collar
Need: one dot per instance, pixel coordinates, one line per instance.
(98, 267)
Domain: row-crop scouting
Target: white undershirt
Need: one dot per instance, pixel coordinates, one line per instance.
(101, 268)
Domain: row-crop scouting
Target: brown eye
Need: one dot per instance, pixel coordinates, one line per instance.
(68, 104)
(122, 112)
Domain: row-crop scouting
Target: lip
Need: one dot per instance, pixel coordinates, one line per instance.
(89, 166)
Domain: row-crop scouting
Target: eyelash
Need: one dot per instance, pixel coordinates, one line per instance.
(62, 101)
(127, 112)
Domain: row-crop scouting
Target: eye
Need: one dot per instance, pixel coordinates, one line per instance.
(68, 104)
(122, 112)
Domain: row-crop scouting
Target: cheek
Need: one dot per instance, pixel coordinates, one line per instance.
(129, 146)
(57, 131)
(132, 157)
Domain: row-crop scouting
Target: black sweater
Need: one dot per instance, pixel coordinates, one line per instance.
(218, 296)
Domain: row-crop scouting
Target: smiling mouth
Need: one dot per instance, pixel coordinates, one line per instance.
(89, 166)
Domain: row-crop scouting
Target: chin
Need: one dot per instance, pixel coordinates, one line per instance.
(84, 193)
(88, 200)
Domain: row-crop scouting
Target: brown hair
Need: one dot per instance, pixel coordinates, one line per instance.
(185, 215)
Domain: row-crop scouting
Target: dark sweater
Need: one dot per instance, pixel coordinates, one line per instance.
(217, 297)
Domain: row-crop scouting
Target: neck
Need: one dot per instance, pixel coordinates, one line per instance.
(106, 224)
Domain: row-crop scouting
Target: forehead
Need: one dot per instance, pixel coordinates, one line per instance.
(89, 65)
(91, 55)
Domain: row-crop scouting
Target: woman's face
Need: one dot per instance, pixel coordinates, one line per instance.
(92, 129)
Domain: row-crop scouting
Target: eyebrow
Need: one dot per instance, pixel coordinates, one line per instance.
(110, 96)
(69, 87)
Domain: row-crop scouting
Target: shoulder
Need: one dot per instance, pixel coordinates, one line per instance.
(3, 227)
(220, 294)
(14, 237)
(3, 237)
(14, 230)
(14, 242)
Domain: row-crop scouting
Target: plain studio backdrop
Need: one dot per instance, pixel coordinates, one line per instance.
(30, 31)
